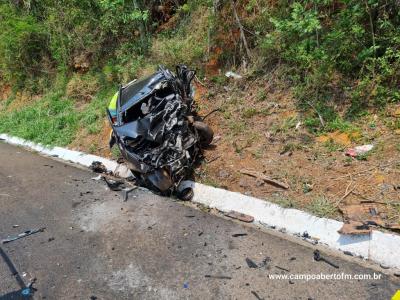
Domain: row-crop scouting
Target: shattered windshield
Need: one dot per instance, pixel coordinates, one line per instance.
(139, 88)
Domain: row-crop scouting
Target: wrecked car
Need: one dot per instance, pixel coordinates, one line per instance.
(158, 131)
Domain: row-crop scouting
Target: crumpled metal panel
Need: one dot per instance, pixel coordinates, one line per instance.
(155, 131)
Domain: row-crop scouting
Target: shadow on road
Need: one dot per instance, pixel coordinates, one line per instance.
(19, 294)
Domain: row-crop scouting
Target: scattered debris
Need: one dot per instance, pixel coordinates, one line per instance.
(264, 178)
(114, 185)
(127, 191)
(383, 266)
(251, 264)
(318, 257)
(22, 235)
(158, 130)
(239, 216)
(186, 285)
(98, 167)
(360, 217)
(239, 234)
(233, 75)
(265, 263)
(354, 227)
(347, 253)
(308, 238)
(359, 150)
(217, 277)
(283, 269)
(256, 295)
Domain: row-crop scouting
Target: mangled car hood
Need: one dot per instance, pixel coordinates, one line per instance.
(154, 129)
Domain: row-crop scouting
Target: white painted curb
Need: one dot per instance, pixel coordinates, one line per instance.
(382, 248)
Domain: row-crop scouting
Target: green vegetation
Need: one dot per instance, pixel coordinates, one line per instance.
(50, 121)
(321, 207)
(336, 56)
(285, 202)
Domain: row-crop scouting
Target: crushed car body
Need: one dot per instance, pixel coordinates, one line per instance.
(158, 130)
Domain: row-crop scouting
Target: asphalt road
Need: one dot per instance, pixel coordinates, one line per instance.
(97, 247)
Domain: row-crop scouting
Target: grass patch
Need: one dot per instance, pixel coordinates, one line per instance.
(291, 147)
(187, 44)
(261, 96)
(286, 202)
(321, 207)
(115, 152)
(249, 112)
(332, 146)
(237, 127)
(54, 119)
(50, 121)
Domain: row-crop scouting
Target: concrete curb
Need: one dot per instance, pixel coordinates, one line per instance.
(382, 248)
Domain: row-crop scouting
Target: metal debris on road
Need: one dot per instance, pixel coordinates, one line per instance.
(251, 264)
(98, 167)
(318, 257)
(283, 269)
(256, 295)
(265, 262)
(22, 235)
(114, 185)
(127, 191)
(239, 234)
(217, 276)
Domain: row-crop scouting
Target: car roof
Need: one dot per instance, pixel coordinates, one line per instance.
(135, 91)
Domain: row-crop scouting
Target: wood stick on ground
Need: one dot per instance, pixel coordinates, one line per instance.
(264, 178)
(348, 192)
(212, 159)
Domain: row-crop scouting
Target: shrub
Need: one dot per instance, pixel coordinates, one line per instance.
(82, 88)
(23, 46)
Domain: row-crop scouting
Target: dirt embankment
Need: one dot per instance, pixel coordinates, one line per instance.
(259, 128)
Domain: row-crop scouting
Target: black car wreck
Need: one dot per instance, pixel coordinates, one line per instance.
(158, 130)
